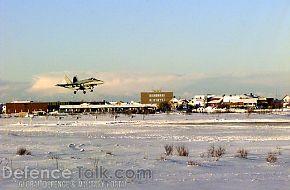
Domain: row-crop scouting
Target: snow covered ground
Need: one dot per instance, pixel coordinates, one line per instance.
(136, 143)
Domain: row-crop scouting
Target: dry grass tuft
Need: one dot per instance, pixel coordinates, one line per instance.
(182, 150)
(271, 158)
(23, 151)
(216, 152)
(168, 149)
(242, 153)
(193, 163)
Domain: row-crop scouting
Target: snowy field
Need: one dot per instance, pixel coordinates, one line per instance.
(130, 144)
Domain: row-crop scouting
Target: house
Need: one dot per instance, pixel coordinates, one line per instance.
(233, 101)
(1, 108)
(174, 103)
(276, 104)
(4, 109)
(182, 104)
(215, 102)
(264, 103)
(241, 101)
(198, 101)
(286, 101)
(250, 102)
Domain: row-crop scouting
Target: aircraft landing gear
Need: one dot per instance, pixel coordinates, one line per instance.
(75, 92)
(84, 92)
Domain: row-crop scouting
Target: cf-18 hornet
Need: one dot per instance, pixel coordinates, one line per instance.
(85, 84)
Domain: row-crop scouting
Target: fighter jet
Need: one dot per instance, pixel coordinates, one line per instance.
(85, 84)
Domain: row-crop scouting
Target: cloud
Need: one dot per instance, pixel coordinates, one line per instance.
(269, 84)
(133, 83)
(127, 86)
(3, 85)
(10, 90)
(121, 84)
(3, 88)
(45, 84)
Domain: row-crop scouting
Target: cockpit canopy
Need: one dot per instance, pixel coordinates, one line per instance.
(75, 79)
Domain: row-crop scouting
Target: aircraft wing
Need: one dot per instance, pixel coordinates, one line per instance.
(86, 84)
(96, 82)
(64, 85)
(68, 85)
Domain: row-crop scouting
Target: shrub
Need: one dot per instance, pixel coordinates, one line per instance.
(242, 153)
(53, 156)
(182, 150)
(271, 158)
(192, 163)
(164, 106)
(168, 149)
(221, 151)
(216, 152)
(23, 151)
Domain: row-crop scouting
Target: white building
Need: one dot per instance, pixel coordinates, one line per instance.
(286, 101)
(215, 102)
(240, 101)
(4, 109)
(232, 99)
(174, 102)
(250, 102)
(112, 107)
(199, 101)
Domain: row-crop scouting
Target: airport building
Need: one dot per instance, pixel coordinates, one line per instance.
(113, 107)
(42, 108)
(155, 97)
(26, 106)
(55, 106)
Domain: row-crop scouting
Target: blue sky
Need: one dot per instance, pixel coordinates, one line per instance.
(210, 43)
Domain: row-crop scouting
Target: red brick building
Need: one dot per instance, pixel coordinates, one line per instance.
(26, 106)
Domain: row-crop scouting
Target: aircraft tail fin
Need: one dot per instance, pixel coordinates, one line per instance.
(67, 80)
